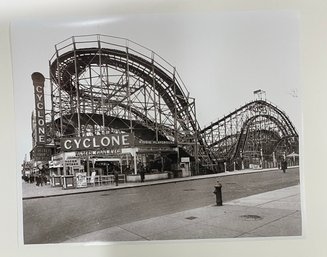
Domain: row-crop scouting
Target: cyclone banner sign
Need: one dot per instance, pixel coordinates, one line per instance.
(112, 141)
(40, 131)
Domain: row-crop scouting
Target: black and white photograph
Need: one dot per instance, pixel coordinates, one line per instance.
(159, 127)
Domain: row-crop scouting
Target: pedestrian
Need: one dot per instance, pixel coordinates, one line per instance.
(41, 175)
(45, 174)
(284, 165)
(142, 174)
(116, 177)
(38, 179)
(45, 179)
(140, 167)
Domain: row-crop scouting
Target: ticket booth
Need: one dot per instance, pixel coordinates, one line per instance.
(56, 167)
(185, 166)
(73, 167)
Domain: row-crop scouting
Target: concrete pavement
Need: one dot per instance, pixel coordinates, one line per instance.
(271, 214)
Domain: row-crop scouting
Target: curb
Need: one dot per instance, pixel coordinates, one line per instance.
(169, 181)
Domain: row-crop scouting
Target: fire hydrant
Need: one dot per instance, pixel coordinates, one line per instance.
(217, 192)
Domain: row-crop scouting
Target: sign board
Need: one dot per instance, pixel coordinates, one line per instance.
(81, 179)
(185, 159)
(154, 143)
(108, 152)
(113, 141)
(56, 164)
(41, 153)
(40, 132)
(73, 162)
(57, 161)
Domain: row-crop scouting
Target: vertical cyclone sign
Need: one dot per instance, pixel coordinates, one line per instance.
(38, 83)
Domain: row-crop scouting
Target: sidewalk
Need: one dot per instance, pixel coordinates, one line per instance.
(271, 214)
(31, 191)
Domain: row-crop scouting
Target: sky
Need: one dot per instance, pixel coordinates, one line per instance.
(222, 57)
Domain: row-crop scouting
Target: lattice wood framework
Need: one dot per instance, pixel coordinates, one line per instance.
(102, 84)
(256, 130)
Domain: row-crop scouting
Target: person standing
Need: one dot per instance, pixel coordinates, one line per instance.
(32, 178)
(141, 170)
(38, 179)
(142, 174)
(116, 176)
(284, 165)
(42, 175)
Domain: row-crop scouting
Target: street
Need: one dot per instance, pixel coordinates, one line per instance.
(56, 219)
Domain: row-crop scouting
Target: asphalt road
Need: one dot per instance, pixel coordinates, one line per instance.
(56, 219)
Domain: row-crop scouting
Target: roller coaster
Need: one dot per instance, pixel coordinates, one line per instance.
(255, 132)
(103, 84)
